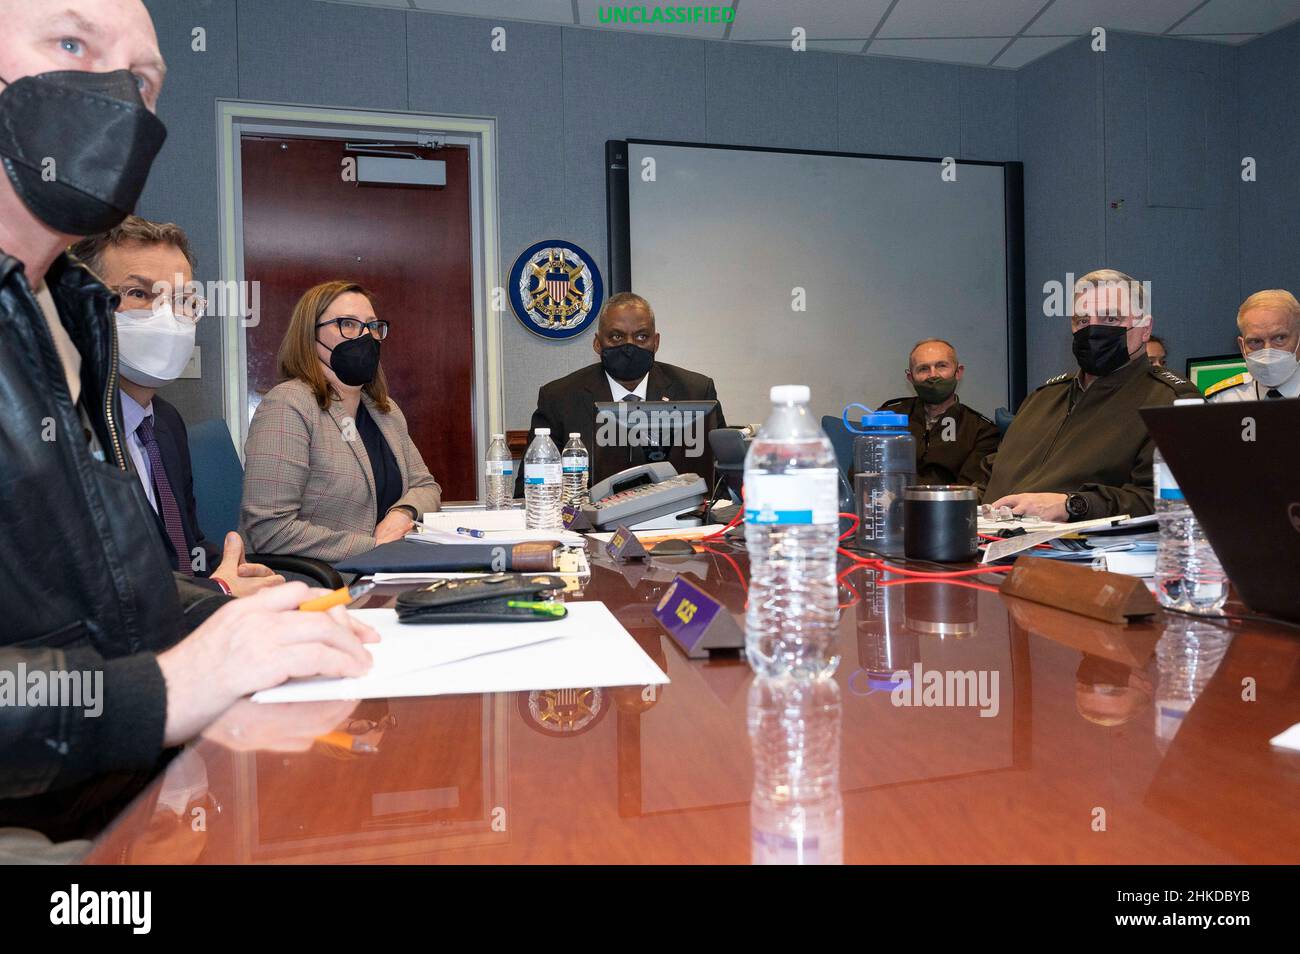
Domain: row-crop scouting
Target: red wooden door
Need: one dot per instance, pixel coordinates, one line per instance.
(410, 246)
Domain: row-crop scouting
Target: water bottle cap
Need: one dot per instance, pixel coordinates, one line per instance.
(574, 434)
(1182, 401)
(498, 437)
(790, 394)
(884, 419)
(539, 431)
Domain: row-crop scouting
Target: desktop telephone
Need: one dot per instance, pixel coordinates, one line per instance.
(642, 493)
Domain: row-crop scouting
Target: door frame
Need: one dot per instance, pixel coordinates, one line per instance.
(477, 133)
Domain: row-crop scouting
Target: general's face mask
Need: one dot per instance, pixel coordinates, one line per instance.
(78, 146)
(934, 390)
(154, 345)
(1102, 349)
(627, 362)
(1272, 366)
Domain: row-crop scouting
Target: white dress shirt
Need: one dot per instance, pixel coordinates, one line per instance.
(132, 415)
(619, 392)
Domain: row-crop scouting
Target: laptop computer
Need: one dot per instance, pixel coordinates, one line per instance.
(1238, 465)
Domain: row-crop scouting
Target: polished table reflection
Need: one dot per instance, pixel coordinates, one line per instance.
(1079, 742)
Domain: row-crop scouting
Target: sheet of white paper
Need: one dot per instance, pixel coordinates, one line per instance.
(1131, 563)
(1290, 739)
(686, 533)
(428, 577)
(589, 647)
(504, 537)
(405, 648)
(1000, 549)
(476, 520)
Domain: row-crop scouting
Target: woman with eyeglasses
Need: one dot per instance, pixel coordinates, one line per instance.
(330, 470)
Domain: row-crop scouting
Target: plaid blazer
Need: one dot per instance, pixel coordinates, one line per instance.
(309, 491)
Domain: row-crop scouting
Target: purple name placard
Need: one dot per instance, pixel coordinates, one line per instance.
(685, 612)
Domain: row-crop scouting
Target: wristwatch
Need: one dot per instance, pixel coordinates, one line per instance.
(1076, 505)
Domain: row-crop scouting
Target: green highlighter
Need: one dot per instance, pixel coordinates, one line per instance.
(541, 609)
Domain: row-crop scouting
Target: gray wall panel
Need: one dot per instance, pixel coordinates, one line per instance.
(182, 183)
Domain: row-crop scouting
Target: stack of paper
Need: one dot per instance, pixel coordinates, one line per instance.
(588, 647)
(497, 526)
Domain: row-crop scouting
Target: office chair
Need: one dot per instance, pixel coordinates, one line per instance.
(842, 443)
(1002, 418)
(218, 486)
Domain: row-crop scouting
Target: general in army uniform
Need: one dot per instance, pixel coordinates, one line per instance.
(1269, 326)
(951, 438)
(1078, 449)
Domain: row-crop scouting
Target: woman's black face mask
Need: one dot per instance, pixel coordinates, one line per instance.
(355, 362)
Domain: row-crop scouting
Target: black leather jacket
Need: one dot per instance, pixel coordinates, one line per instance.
(84, 576)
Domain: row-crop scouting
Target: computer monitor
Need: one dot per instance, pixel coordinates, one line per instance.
(1211, 369)
(653, 427)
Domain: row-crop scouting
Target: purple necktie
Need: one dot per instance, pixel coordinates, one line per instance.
(167, 506)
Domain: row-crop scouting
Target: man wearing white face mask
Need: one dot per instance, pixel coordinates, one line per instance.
(150, 266)
(1269, 326)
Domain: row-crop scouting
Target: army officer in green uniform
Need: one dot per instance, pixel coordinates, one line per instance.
(1078, 449)
(952, 439)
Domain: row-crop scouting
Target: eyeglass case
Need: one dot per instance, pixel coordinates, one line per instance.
(480, 600)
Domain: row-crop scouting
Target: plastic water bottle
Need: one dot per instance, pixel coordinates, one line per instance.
(884, 461)
(1188, 574)
(796, 811)
(576, 465)
(791, 531)
(1188, 655)
(500, 474)
(542, 485)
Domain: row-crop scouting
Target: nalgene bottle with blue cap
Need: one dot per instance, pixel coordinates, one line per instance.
(791, 532)
(884, 464)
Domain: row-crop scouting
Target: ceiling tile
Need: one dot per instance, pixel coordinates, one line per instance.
(941, 18)
(1029, 48)
(1235, 39)
(772, 21)
(589, 12)
(1077, 17)
(402, 4)
(1235, 16)
(548, 11)
(977, 50)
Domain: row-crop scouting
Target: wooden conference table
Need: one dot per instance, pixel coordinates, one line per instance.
(1109, 745)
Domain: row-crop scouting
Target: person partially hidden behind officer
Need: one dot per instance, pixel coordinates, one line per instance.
(1078, 449)
(952, 439)
(625, 342)
(1269, 339)
(151, 268)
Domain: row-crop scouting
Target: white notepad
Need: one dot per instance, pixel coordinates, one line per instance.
(589, 647)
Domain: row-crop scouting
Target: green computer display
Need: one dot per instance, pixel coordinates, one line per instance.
(1210, 370)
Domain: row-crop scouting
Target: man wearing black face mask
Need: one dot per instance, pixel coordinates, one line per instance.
(1078, 449)
(625, 342)
(88, 593)
(951, 438)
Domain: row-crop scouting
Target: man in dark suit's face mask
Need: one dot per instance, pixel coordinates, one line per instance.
(626, 341)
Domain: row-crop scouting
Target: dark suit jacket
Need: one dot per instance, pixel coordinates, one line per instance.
(174, 446)
(569, 405)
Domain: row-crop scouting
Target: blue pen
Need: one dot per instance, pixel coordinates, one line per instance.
(472, 533)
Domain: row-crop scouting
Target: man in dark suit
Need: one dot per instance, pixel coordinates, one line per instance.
(625, 342)
(151, 268)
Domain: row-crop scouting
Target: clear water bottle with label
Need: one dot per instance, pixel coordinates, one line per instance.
(1188, 655)
(542, 483)
(796, 810)
(1188, 574)
(791, 532)
(500, 474)
(884, 463)
(576, 467)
